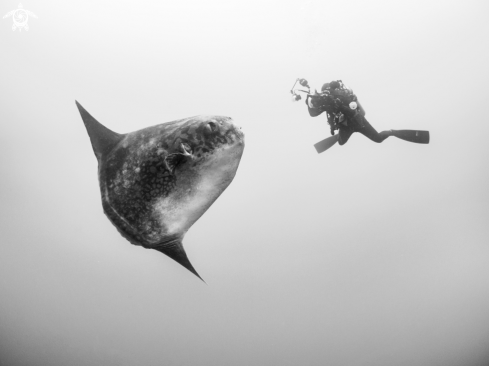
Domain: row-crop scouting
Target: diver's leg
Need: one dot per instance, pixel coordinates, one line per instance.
(344, 135)
(372, 133)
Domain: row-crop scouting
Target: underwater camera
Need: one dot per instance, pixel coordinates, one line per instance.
(295, 92)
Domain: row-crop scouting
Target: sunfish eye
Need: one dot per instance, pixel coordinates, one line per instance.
(211, 127)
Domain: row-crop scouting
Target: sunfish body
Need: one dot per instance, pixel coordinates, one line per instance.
(157, 182)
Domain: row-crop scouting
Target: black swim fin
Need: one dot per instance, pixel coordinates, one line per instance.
(325, 144)
(419, 137)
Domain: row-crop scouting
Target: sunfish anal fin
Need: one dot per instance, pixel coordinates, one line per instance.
(103, 140)
(174, 249)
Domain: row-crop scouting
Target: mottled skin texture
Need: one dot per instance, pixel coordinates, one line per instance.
(156, 182)
(135, 181)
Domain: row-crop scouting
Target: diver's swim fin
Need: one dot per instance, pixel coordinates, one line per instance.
(420, 137)
(325, 144)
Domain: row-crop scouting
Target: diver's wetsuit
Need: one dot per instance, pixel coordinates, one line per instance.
(353, 122)
(367, 130)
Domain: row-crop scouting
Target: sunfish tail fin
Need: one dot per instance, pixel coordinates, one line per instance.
(174, 249)
(103, 140)
(419, 137)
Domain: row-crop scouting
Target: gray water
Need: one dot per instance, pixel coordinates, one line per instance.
(368, 254)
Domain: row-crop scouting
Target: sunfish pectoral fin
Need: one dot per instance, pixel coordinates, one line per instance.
(103, 140)
(172, 161)
(174, 249)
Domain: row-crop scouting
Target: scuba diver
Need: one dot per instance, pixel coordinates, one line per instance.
(346, 114)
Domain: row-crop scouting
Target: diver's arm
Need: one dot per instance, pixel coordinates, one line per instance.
(360, 108)
(313, 111)
(331, 123)
(349, 92)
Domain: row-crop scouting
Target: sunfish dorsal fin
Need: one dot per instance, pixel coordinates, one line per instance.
(174, 249)
(103, 140)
